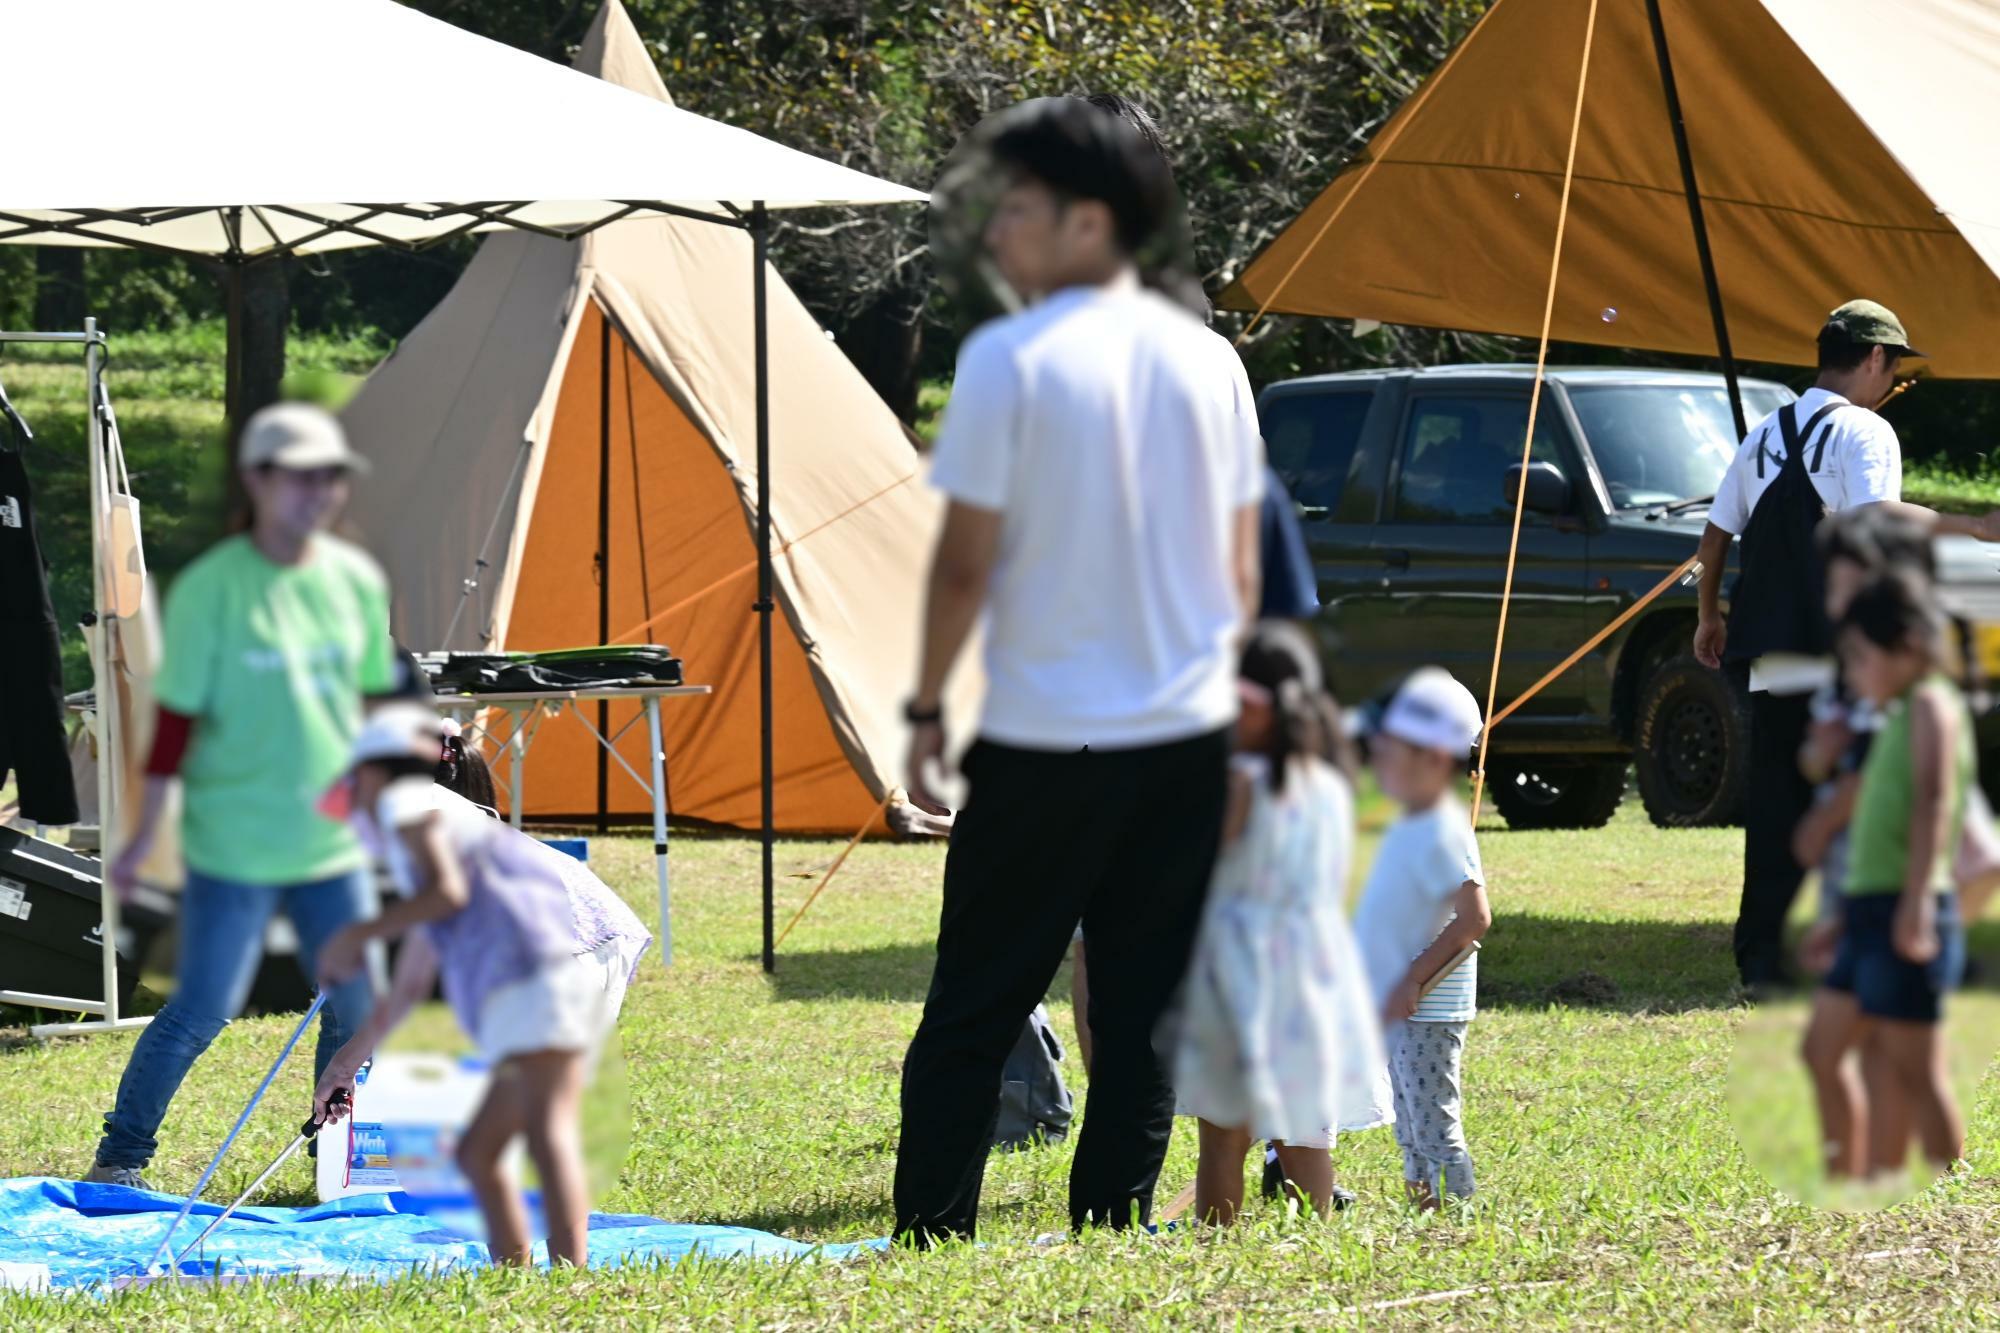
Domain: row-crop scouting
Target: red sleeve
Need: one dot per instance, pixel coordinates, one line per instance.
(170, 742)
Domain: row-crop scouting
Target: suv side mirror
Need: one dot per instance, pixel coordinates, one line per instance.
(1548, 488)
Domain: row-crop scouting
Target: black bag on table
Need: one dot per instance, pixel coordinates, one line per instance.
(605, 667)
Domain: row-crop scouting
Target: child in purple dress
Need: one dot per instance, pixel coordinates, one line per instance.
(535, 953)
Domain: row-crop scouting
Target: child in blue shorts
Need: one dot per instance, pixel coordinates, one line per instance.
(1900, 939)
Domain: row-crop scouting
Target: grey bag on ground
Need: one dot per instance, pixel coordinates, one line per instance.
(1035, 1105)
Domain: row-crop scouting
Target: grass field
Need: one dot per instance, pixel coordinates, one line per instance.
(1600, 1094)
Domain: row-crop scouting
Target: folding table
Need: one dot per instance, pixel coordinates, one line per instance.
(528, 709)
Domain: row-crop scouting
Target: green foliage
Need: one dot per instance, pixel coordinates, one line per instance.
(1614, 1192)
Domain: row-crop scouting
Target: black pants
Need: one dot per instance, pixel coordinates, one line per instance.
(1124, 841)
(1779, 799)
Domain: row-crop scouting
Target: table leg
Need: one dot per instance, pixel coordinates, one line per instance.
(659, 761)
(517, 746)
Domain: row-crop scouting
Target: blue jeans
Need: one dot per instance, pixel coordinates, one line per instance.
(221, 943)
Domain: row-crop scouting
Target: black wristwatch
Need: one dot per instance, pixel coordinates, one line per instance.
(922, 717)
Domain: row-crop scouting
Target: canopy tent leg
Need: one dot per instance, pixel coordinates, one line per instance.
(1700, 223)
(110, 747)
(760, 238)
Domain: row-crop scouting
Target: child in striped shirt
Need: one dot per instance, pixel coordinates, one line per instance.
(1424, 905)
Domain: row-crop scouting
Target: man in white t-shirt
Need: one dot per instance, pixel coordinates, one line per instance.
(1827, 453)
(1103, 519)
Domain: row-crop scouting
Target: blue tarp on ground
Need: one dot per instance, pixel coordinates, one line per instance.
(87, 1235)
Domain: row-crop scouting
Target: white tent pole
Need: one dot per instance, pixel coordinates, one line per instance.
(109, 749)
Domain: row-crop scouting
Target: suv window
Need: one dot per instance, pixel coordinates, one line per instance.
(1456, 452)
(1310, 439)
(1658, 443)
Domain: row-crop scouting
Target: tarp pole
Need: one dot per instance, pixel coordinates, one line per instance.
(760, 237)
(1700, 223)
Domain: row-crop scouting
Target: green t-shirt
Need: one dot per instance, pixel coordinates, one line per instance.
(271, 661)
(1878, 844)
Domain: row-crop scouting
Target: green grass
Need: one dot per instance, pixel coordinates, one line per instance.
(1613, 1187)
(167, 391)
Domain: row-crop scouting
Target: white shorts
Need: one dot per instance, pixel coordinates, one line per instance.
(567, 1006)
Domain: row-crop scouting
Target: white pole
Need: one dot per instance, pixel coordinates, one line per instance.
(659, 758)
(517, 755)
(109, 751)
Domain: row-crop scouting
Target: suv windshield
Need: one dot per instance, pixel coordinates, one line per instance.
(1658, 443)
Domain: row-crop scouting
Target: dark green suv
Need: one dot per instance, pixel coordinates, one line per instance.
(1404, 482)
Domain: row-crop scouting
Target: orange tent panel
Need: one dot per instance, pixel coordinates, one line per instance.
(680, 543)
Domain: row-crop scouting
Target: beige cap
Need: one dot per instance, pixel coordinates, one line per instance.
(298, 437)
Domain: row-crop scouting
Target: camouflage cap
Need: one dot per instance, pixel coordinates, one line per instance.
(1869, 323)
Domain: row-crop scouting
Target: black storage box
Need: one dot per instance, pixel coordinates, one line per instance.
(51, 923)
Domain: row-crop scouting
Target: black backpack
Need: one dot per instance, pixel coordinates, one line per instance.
(1035, 1105)
(1779, 602)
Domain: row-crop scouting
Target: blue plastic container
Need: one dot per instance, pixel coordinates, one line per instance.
(577, 847)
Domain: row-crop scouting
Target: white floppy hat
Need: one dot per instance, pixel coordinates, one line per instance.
(1431, 709)
(398, 731)
(298, 437)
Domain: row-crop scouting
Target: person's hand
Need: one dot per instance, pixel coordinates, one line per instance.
(926, 756)
(1710, 636)
(341, 1073)
(1255, 716)
(928, 806)
(1988, 527)
(1818, 946)
(1916, 927)
(1402, 1002)
(124, 873)
(342, 956)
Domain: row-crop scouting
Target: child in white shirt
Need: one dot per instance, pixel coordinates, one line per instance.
(1424, 905)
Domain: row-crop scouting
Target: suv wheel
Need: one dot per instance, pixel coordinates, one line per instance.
(1530, 793)
(1693, 746)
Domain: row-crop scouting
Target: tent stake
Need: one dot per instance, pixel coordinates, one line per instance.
(760, 238)
(1693, 192)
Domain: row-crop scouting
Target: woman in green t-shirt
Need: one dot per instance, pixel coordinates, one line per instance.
(1900, 934)
(273, 638)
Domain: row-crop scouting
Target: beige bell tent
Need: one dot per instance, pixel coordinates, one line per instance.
(572, 396)
(1841, 148)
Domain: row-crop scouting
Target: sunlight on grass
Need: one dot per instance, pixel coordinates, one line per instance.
(1771, 1101)
(1598, 1106)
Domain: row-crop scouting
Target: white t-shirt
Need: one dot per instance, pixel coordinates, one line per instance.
(1101, 425)
(1424, 859)
(1862, 463)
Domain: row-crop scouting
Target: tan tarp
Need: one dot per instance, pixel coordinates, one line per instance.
(1843, 148)
(489, 435)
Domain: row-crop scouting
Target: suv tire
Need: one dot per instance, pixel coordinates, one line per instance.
(1693, 744)
(1531, 794)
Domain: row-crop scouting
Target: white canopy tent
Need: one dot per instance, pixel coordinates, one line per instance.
(248, 129)
(241, 128)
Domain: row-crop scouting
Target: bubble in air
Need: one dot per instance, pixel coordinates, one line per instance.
(1517, 194)
(1609, 315)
